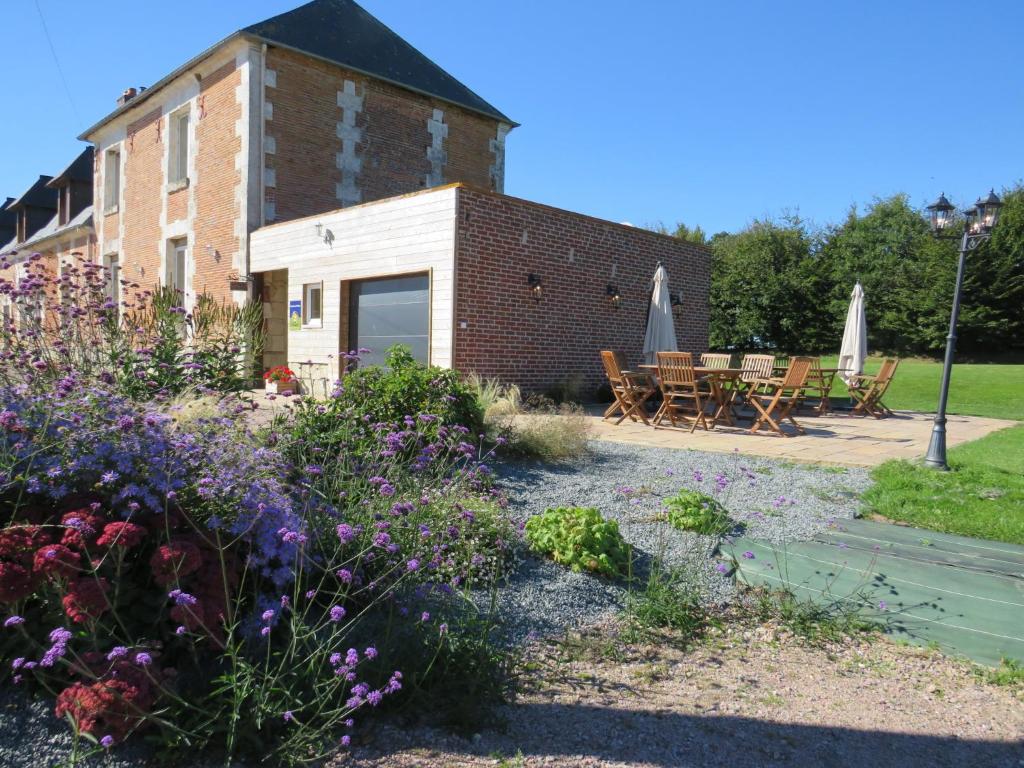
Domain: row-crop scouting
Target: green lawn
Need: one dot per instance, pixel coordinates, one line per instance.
(995, 390)
(983, 496)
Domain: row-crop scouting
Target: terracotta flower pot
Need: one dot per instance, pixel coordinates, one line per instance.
(284, 385)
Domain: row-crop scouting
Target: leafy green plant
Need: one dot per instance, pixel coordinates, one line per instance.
(698, 512)
(581, 539)
(432, 400)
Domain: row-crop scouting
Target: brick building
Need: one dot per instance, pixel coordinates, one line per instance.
(472, 279)
(53, 218)
(319, 162)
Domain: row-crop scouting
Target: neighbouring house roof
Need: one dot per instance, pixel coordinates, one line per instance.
(39, 195)
(343, 33)
(8, 220)
(79, 170)
(51, 230)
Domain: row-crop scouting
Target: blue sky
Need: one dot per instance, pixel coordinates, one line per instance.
(711, 113)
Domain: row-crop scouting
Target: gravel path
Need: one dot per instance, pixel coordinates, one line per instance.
(753, 697)
(777, 501)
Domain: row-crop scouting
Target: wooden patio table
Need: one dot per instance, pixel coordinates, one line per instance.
(719, 379)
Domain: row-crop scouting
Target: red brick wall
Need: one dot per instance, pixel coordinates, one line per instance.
(537, 345)
(215, 240)
(143, 194)
(393, 143)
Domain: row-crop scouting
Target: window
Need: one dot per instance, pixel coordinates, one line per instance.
(312, 303)
(178, 269)
(177, 171)
(113, 275)
(111, 180)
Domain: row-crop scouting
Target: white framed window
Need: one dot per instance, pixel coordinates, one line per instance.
(178, 269)
(177, 168)
(111, 180)
(312, 304)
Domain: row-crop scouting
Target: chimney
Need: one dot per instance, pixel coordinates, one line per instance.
(128, 95)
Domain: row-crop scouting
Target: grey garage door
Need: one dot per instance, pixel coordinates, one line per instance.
(389, 311)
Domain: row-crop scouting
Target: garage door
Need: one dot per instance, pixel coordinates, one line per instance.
(394, 310)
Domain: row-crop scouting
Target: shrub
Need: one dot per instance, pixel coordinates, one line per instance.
(185, 578)
(581, 539)
(405, 393)
(697, 512)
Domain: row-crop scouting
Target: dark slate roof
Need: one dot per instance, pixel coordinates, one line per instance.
(38, 195)
(342, 32)
(8, 220)
(79, 170)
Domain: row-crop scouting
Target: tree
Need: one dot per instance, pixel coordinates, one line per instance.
(765, 289)
(992, 315)
(904, 271)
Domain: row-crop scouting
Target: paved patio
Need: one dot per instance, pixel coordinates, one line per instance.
(838, 438)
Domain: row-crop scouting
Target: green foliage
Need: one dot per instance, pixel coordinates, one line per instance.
(764, 288)
(667, 602)
(404, 386)
(404, 389)
(217, 346)
(581, 539)
(1009, 673)
(778, 284)
(698, 512)
(982, 496)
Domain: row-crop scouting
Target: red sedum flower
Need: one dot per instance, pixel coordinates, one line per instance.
(125, 535)
(174, 560)
(86, 599)
(56, 560)
(15, 582)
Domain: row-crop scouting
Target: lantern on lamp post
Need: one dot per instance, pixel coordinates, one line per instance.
(977, 228)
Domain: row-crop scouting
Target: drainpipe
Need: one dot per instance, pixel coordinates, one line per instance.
(263, 128)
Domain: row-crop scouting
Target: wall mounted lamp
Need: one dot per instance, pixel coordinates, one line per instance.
(614, 297)
(676, 300)
(536, 286)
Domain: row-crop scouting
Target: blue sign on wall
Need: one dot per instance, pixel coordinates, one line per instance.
(295, 314)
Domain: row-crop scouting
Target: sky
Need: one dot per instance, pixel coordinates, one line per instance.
(651, 111)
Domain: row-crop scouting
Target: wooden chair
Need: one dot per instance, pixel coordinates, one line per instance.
(868, 391)
(716, 360)
(755, 368)
(780, 365)
(818, 386)
(780, 396)
(680, 386)
(631, 390)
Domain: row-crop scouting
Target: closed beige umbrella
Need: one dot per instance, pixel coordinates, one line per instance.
(854, 349)
(661, 330)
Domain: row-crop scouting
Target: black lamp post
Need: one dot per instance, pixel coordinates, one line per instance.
(977, 228)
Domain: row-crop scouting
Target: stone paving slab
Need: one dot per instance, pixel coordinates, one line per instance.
(838, 438)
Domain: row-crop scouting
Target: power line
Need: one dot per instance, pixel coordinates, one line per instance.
(56, 61)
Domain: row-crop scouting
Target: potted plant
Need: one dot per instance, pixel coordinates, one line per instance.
(280, 378)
